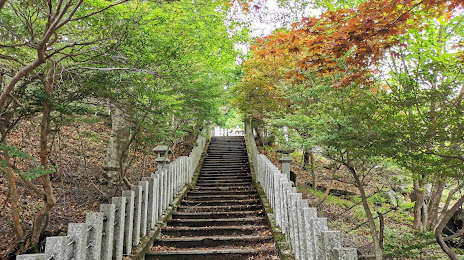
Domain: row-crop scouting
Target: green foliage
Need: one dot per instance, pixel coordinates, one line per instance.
(231, 119)
(37, 172)
(31, 174)
(403, 243)
(15, 152)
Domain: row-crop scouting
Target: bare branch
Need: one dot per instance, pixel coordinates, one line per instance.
(6, 57)
(17, 101)
(456, 157)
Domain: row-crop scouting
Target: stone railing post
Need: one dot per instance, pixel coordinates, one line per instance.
(277, 200)
(94, 221)
(137, 214)
(144, 208)
(318, 225)
(151, 213)
(330, 240)
(108, 230)
(58, 248)
(301, 205)
(129, 220)
(119, 224)
(295, 197)
(344, 253)
(310, 245)
(283, 200)
(78, 234)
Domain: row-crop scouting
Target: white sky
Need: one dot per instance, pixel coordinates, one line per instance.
(265, 16)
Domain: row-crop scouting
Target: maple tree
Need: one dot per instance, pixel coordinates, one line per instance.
(359, 35)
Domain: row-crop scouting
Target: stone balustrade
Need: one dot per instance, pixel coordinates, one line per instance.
(219, 131)
(306, 233)
(117, 227)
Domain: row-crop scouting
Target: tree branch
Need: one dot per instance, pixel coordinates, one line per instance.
(118, 69)
(2, 3)
(28, 183)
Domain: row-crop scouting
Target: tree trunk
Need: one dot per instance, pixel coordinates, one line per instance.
(12, 188)
(420, 207)
(259, 137)
(434, 203)
(448, 200)
(370, 219)
(43, 217)
(14, 199)
(442, 225)
(313, 173)
(120, 135)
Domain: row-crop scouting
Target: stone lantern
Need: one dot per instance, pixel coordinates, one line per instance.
(163, 152)
(285, 160)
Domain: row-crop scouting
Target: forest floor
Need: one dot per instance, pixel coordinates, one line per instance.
(78, 153)
(344, 211)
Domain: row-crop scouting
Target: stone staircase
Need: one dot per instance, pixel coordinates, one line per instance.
(221, 217)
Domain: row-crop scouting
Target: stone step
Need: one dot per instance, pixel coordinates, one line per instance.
(223, 175)
(222, 192)
(208, 242)
(223, 180)
(214, 157)
(206, 171)
(225, 172)
(214, 231)
(225, 184)
(221, 217)
(242, 176)
(230, 166)
(219, 203)
(216, 222)
(182, 208)
(239, 148)
(221, 197)
(224, 188)
(222, 162)
(216, 215)
(226, 155)
(212, 254)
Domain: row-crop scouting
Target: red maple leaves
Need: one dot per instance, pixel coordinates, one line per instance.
(359, 36)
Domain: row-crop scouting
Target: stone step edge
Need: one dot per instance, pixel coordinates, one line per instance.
(199, 220)
(205, 252)
(242, 227)
(221, 207)
(216, 213)
(217, 238)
